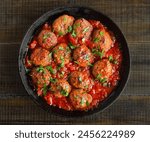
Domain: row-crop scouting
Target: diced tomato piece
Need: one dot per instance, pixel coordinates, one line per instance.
(33, 44)
(73, 40)
(96, 24)
(90, 44)
(62, 39)
(46, 26)
(39, 91)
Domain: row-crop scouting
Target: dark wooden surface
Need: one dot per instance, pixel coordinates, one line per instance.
(133, 18)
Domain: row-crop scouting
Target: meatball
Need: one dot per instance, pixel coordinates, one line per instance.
(62, 54)
(41, 57)
(47, 39)
(102, 69)
(82, 29)
(102, 39)
(40, 76)
(62, 24)
(81, 80)
(60, 88)
(80, 99)
(83, 56)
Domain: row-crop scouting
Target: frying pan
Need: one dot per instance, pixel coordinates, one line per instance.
(77, 12)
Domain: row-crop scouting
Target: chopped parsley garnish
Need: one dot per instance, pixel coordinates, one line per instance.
(80, 79)
(50, 54)
(90, 64)
(96, 40)
(71, 46)
(46, 36)
(98, 52)
(101, 33)
(50, 69)
(112, 60)
(105, 84)
(69, 29)
(60, 33)
(62, 63)
(27, 70)
(82, 101)
(73, 33)
(60, 48)
(98, 76)
(62, 73)
(45, 88)
(76, 97)
(86, 29)
(86, 57)
(64, 93)
(76, 62)
(65, 19)
(53, 80)
(102, 80)
(68, 49)
(83, 39)
(40, 69)
(87, 103)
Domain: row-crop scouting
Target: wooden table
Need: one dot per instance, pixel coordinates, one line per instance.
(133, 18)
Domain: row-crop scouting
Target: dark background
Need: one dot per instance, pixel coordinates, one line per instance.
(133, 18)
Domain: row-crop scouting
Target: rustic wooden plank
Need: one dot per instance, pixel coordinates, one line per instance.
(126, 110)
(131, 16)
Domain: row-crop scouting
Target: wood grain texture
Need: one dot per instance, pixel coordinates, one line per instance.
(125, 111)
(132, 17)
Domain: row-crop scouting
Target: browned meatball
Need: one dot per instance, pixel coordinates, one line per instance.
(102, 69)
(40, 76)
(83, 56)
(81, 80)
(62, 24)
(102, 39)
(60, 88)
(80, 99)
(47, 39)
(41, 57)
(62, 54)
(82, 28)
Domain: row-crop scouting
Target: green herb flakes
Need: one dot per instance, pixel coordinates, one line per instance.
(40, 69)
(60, 33)
(71, 46)
(82, 101)
(101, 33)
(53, 80)
(50, 69)
(87, 103)
(80, 79)
(64, 93)
(86, 30)
(60, 48)
(45, 88)
(96, 40)
(112, 60)
(69, 29)
(73, 33)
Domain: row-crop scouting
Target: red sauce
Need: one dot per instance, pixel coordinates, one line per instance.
(99, 91)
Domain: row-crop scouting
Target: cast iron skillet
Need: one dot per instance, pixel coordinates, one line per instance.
(77, 12)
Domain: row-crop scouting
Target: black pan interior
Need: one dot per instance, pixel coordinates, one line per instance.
(77, 12)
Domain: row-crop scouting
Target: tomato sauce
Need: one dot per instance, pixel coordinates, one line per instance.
(99, 91)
